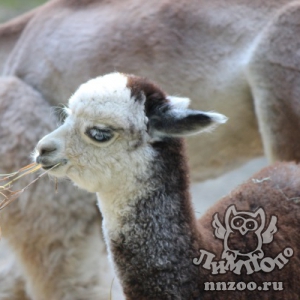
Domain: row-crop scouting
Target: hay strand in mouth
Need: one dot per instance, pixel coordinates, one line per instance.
(10, 195)
(10, 175)
(22, 172)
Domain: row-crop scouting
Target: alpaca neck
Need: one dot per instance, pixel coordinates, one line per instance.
(153, 239)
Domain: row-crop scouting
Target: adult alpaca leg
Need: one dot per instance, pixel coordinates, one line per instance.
(56, 237)
(274, 72)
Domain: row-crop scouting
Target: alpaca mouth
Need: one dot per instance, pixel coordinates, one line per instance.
(49, 167)
(54, 166)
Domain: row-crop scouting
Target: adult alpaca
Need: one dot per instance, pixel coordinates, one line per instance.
(152, 236)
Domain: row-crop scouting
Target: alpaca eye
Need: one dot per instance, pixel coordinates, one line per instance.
(99, 135)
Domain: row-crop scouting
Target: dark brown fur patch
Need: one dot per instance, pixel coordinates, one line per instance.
(158, 239)
(155, 97)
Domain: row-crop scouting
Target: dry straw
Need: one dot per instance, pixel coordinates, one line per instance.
(6, 192)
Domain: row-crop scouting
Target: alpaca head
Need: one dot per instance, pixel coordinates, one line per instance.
(112, 125)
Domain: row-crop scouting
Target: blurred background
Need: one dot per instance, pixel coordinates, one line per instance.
(11, 8)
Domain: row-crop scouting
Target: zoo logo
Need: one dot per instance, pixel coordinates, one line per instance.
(243, 230)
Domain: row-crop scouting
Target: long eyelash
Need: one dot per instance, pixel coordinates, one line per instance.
(94, 131)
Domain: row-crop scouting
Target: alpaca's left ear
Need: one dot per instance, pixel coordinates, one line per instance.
(176, 120)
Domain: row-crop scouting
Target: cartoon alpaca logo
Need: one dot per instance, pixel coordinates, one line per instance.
(243, 233)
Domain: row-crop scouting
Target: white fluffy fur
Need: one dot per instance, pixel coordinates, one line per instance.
(179, 102)
(105, 102)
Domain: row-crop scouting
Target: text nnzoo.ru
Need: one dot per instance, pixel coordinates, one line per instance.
(241, 286)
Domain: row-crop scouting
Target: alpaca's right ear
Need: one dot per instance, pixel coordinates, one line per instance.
(177, 121)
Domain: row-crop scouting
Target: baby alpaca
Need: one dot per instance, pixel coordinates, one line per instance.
(122, 140)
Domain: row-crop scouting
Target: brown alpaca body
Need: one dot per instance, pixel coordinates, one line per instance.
(276, 190)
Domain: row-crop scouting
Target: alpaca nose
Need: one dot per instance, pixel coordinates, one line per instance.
(46, 146)
(44, 149)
